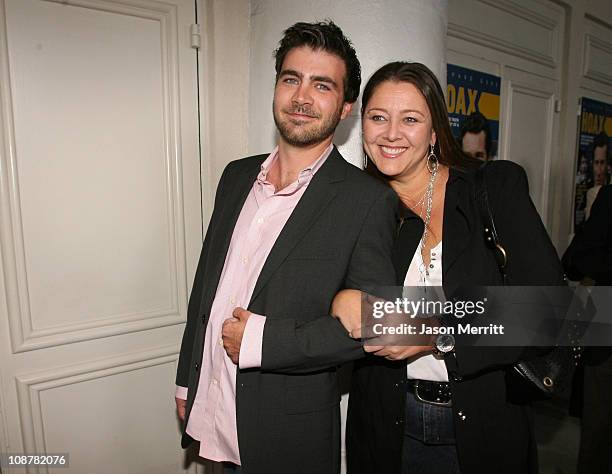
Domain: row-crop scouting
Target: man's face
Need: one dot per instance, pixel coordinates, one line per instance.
(309, 96)
(474, 145)
(599, 164)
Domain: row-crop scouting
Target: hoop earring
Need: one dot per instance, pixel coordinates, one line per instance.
(365, 161)
(432, 161)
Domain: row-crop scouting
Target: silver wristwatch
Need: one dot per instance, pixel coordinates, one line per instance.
(443, 344)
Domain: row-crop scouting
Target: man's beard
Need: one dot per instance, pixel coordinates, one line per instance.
(302, 135)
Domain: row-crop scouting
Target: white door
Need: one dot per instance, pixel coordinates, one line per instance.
(530, 126)
(100, 228)
(528, 123)
(522, 42)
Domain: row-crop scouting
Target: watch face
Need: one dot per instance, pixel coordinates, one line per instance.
(445, 343)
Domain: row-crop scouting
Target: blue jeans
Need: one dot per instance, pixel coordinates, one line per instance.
(229, 468)
(429, 439)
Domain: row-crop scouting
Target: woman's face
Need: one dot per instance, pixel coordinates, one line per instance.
(397, 129)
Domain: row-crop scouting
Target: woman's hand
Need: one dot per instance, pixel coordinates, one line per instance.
(347, 308)
(408, 346)
(398, 352)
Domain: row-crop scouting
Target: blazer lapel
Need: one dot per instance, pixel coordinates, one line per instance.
(318, 195)
(457, 229)
(232, 203)
(409, 232)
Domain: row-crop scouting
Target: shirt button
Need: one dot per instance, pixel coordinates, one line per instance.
(203, 319)
(232, 300)
(431, 266)
(260, 220)
(220, 341)
(245, 259)
(197, 367)
(215, 381)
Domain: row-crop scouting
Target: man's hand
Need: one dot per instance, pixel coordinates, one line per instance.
(180, 407)
(233, 329)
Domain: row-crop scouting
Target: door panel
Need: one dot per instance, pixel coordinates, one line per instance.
(529, 122)
(100, 227)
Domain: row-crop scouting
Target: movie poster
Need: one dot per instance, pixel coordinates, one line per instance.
(470, 91)
(593, 167)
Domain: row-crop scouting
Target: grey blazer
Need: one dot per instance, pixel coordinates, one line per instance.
(340, 235)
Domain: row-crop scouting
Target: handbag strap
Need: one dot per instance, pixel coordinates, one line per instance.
(490, 232)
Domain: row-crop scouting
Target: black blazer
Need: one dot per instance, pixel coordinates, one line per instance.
(492, 433)
(340, 235)
(590, 255)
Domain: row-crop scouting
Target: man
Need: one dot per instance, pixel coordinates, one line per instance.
(288, 231)
(600, 169)
(590, 255)
(476, 137)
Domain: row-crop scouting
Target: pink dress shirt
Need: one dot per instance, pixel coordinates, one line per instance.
(213, 417)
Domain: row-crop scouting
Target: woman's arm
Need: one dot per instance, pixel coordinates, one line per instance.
(532, 260)
(347, 307)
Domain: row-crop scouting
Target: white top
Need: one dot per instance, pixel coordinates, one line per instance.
(426, 367)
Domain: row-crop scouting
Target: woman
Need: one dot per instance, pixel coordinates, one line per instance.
(411, 411)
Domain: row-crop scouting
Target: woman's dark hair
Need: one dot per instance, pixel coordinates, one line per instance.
(447, 149)
(326, 36)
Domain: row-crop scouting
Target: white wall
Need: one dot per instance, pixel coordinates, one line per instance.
(548, 54)
(224, 88)
(546, 45)
(381, 31)
(587, 72)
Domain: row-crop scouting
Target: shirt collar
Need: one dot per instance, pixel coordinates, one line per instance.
(304, 176)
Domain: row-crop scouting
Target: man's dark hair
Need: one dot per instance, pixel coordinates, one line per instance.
(326, 36)
(477, 123)
(600, 140)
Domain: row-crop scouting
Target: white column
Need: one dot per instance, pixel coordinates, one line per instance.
(381, 31)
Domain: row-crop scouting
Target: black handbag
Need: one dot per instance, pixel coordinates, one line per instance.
(546, 375)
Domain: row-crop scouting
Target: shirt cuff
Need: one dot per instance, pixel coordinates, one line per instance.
(252, 342)
(181, 392)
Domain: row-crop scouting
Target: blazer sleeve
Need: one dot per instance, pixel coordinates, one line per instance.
(193, 316)
(590, 253)
(293, 346)
(532, 260)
